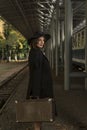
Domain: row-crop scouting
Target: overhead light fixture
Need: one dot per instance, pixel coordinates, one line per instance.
(41, 20)
(53, 1)
(41, 24)
(40, 16)
(52, 7)
(40, 4)
(60, 2)
(40, 11)
(84, 21)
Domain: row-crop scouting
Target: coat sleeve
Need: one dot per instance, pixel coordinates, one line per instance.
(37, 72)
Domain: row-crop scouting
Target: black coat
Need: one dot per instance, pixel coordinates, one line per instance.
(40, 79)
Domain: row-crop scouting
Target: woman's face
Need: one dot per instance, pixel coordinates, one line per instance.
(40, 42)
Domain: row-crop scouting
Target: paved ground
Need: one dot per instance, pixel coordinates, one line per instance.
(9, 69)
(71, 105)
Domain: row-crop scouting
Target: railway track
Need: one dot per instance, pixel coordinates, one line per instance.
(8, 88)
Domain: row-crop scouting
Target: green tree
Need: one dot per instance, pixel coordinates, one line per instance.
(13, 44)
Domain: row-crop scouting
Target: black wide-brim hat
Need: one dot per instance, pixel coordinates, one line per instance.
(37, 35)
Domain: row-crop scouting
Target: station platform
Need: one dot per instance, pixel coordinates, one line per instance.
(9, 69)
(71, 105)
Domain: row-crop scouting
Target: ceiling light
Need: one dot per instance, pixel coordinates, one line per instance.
(40, 5)
(53, 1)
(40, 11)
(60, 2)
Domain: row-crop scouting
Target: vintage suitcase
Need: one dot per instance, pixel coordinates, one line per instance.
(34, 110)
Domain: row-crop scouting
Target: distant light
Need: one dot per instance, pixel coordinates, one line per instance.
(50, 15)
(60, 2)
(84, 21)
(40, 11)
(46, 14)
(41, 28)
(40, 16)
(46, 18)
(52, 7)
(40, 5)
(53, 1)
(81, 25)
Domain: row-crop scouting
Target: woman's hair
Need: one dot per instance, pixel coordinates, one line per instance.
(33, 43)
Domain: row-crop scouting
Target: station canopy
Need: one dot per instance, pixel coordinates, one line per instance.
(29, 16)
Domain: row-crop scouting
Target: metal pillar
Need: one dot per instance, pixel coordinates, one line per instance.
(53, 42)
(50, 51)
(57, 38)
(54, 33)
(62, 41)
(56, 46)
(68, 32)
(50, 54)
(86, 47)
(47, 50)
(52, 46)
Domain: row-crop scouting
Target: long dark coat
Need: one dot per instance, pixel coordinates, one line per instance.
(40, 79)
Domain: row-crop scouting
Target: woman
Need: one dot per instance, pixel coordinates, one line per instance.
(40, 79)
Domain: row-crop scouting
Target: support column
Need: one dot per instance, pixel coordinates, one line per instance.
(62, 41)
(86, 47)
(56, 46)
(54, 33)
(50, 55)
(57, 38)
(47, 50)
(53, 40)
(68, 32)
